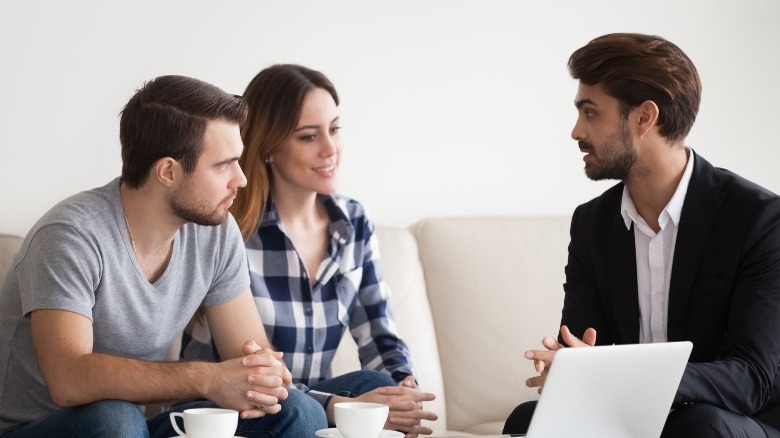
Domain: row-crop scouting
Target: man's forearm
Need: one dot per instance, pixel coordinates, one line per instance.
(92, 377)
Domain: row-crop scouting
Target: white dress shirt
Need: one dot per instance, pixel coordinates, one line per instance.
(654, 256)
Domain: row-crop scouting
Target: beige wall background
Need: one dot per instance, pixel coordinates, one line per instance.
(449, 107)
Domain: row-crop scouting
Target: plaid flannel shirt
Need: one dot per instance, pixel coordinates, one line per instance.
(307, 322)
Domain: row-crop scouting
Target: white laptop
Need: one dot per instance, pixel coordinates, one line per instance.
(620, 391)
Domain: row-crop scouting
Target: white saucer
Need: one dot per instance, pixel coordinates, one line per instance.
(185, 436)
(334, 433)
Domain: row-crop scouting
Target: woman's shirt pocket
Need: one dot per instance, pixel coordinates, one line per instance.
(347, 287)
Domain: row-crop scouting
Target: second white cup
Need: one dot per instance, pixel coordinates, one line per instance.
(360, 420)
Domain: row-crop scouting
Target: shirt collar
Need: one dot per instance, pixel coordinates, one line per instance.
(673, 209)
(340, 227)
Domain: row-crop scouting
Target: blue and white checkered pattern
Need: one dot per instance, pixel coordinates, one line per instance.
(306, 322)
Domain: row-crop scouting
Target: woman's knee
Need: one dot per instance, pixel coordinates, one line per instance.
(303, 404)
(299, 405)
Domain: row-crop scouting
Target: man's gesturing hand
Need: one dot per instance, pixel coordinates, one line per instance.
(543, 358)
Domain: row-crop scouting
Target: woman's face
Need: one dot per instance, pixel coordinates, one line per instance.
(309, 158)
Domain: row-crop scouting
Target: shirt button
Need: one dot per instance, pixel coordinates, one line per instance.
(309, 349)
(307, 310)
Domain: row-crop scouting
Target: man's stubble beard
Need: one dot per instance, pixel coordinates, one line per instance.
(617, 158)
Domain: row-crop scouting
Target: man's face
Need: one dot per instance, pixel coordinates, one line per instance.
(603, 134)
(206, 194)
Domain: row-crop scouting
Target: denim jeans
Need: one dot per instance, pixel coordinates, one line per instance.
(103, 419)
(300, 417)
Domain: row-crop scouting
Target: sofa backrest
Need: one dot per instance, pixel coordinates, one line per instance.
(9, 245)
(495, 290)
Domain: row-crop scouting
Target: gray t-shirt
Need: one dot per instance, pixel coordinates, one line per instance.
(78, 257)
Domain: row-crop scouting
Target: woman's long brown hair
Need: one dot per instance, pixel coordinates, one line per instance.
(275, 97)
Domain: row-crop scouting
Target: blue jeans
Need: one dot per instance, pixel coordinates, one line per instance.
(300, 416)
(103, 419)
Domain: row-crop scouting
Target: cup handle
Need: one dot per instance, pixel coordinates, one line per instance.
(176, 426)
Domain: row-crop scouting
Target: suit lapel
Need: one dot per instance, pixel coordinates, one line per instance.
(622, 281)
(702, 202)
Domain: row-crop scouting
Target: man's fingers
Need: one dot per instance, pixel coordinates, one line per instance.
(536, 381)
(260, 360)
(266, 396)
(540, 356)
(252, 413)
(251, 347)
(573, 341)
(589, 337)
(275, 409)
(286, 377)
(261, 411)
(261, 398)
(551, 344)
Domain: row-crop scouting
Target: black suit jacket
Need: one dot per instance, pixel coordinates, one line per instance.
(724, 293)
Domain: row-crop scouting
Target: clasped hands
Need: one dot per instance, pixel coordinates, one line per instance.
(253, 384)
(543, 358)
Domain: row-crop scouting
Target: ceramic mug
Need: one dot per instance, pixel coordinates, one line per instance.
(206, 423)
(360, 420)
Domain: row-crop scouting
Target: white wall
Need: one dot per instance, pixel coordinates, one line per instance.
(449, 107)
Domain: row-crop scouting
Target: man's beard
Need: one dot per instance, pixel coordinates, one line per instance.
(199, 213)
(617, 157)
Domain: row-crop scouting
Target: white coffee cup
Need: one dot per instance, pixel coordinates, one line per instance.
(206, 423)
(360, 420)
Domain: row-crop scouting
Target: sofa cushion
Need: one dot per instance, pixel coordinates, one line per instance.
(409, 301)
(9, 245)
(495, 289)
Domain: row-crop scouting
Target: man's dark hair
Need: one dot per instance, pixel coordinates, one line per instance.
(634, 68)
(167, 117)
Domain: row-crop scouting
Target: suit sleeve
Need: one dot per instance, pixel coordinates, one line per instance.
(582, 307)
(742, 378)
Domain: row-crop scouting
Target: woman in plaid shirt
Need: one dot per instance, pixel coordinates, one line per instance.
(313, 257)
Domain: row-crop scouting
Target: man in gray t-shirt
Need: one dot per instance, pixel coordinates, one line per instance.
(108, 278)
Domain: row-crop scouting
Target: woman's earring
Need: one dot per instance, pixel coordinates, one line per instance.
(267, 159)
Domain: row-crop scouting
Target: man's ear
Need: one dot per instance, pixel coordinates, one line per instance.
(647, 116)
(167, 171)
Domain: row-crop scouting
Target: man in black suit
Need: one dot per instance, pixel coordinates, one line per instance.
(678, 250)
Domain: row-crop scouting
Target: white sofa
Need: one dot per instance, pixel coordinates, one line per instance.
(470, 295)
